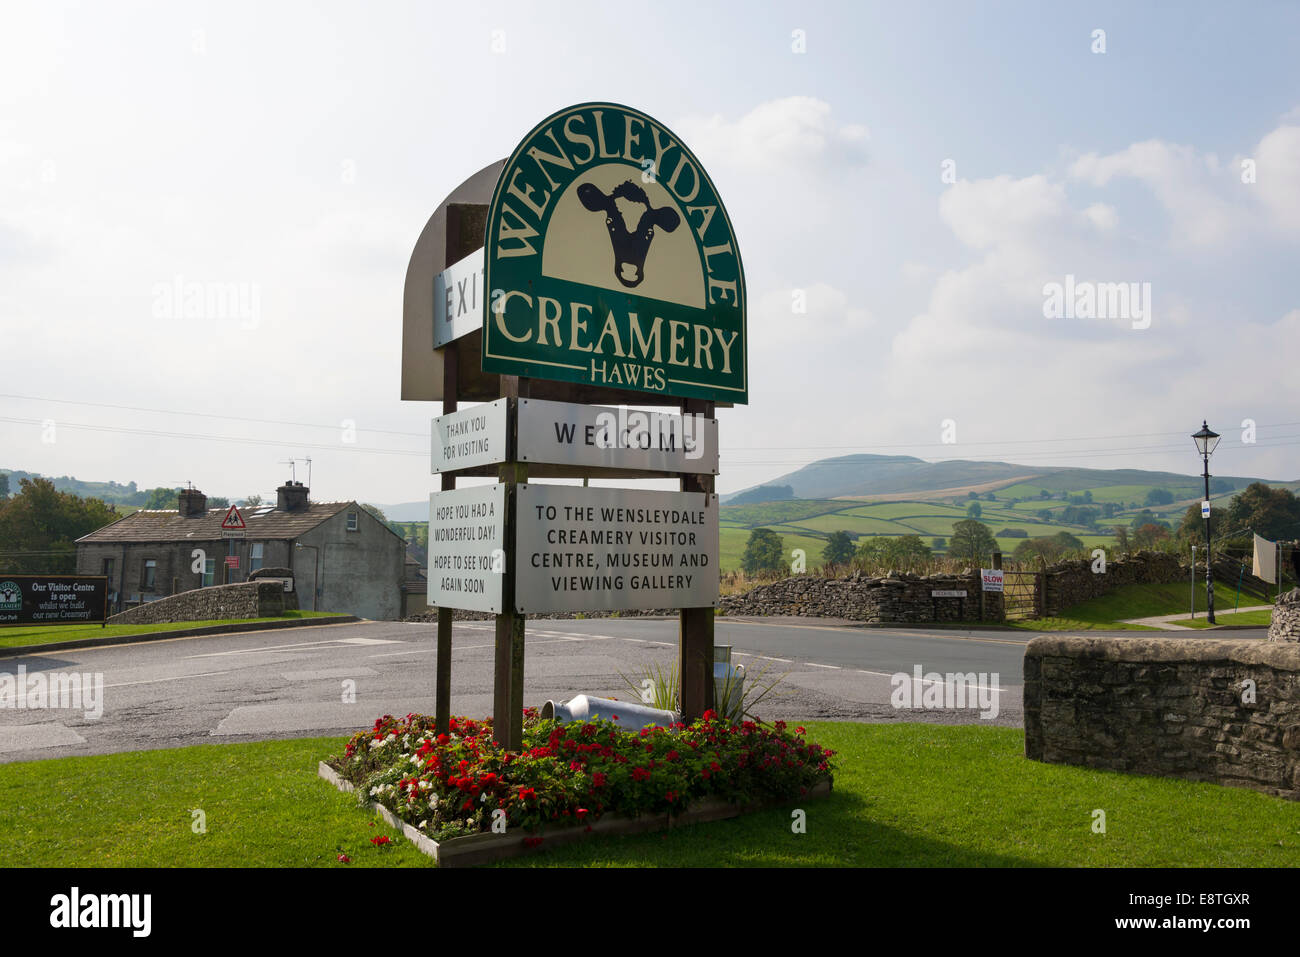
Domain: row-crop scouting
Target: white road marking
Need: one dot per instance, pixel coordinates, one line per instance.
(300, 644)
(153, 681)
(813, 664)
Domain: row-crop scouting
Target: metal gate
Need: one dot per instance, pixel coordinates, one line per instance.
(1019, 595)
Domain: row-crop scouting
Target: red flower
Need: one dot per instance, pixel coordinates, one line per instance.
(581, 812)
(710, 715)
(640, 774)
(672, 755)
(344, 859)
(800, 730)
(526, 793)
(670, 796)
(598, 779)
(443, 739)
(381, 840)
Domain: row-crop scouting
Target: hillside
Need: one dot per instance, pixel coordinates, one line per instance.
(878, 476)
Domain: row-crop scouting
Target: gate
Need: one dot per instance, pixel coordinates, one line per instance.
(1019, 595)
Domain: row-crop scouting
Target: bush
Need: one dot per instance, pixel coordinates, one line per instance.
(1013, 533)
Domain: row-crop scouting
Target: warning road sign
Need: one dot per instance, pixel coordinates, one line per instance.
(233, 519)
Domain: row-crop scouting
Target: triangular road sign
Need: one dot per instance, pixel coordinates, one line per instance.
(233, 519)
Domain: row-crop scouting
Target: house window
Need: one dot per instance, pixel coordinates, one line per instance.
(147, 574)
(209, 572)
(255, 557)
(109, 565)
(352, 521)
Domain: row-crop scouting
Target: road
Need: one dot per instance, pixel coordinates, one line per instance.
(292, 683)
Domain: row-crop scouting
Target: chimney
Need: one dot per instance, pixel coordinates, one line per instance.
(291, 496)
(192, 503)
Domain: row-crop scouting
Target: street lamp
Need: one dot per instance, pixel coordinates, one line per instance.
(1205, 443)
(315, 578)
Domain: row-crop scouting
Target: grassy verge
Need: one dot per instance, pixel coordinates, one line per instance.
(1260, 618)
(905, 795)
(45, 634)
(1131, 601)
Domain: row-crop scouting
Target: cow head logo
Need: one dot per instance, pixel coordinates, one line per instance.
(630, 245)
(11, 596)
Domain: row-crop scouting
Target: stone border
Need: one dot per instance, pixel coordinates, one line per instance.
(1166, 648)
(475, 849)
(21, 650)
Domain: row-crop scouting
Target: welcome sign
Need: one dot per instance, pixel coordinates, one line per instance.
(611, 261)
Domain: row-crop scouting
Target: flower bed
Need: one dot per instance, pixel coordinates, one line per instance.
(571, 775)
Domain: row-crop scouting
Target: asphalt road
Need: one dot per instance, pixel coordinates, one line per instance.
(291, 683)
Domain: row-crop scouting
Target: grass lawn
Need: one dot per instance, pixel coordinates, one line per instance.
(44, 634)
(905, 795)
(1260, 618)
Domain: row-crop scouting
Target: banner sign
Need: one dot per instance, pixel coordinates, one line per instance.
(948, 593)
(458, 299)
(467, 547)
(567, 433)
(470, 437)
(992, 578)
(611, 261)
(608, 549)
(52, 599)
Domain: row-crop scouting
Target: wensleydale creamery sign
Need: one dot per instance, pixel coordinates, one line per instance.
(610, 261)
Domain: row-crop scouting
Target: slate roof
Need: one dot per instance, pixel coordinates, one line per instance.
(265, 523)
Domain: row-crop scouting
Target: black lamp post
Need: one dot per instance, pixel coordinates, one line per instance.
(1205, 443)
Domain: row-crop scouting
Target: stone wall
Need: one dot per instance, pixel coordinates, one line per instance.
(1068, 583)
(1174, 707)
(1286, 617)
(898, 598)
(243, 600)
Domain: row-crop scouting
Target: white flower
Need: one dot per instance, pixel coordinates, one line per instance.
(433, 801)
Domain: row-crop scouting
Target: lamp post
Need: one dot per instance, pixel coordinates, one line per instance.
(315, 578)
(1205, 443)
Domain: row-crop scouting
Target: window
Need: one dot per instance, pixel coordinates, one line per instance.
(209, 572)
(148, 573)
(352, 521)
(255, 557)
(109, 565)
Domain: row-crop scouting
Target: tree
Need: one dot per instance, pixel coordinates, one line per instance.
(377, 512)
(252, 500)
(839, 549)
(972, 496)
(1087, 495)
(218, 501)
(906, 551)
(1044, 493)
(161, 498)
(937, 543)
(973, 510)
(1271, 512)
(1148, 536)
(4, 486)
(1034, 549)
(764, 553)
(1045, 514)
(40, 525)
(1109, 509)
(1067, 542)
(971, 541)
(990, 497)
(1159, 496)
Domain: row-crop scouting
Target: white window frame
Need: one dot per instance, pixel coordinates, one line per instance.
(209, 572)
(255, 557)
(353, 521)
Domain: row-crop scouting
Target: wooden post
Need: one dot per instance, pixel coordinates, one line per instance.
(508, 685)
(695, 631)
(464, 235)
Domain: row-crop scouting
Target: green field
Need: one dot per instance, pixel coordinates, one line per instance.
(906, 795)
(12, 637)
(1260, 619)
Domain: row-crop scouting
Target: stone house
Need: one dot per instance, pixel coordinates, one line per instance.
(343, 558)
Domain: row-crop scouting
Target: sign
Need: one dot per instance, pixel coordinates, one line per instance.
(52, 599)
(457, 299)
(992, 579)
(232, 561)
(607, 549)
(470, 437)
(467, 547)
(597, 436)
(948, 593)
(227, 533)
(233, 520)
(287, 583)
(1205, 510)
(611, 261)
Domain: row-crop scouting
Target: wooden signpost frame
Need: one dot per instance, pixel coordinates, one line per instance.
(465, 231)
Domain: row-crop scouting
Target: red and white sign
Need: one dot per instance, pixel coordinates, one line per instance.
(232, 561)
(992, 578)
(233, 519)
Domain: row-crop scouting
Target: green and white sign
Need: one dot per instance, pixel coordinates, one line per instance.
(611, 261)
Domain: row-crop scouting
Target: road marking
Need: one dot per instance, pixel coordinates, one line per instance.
(851, 629)
(152, 681)
(299, 644)
(813, 664)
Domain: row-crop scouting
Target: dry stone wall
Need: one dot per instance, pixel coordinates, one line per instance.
(1286, 618)
(901, 598)
(1226, 711)
(254, 599)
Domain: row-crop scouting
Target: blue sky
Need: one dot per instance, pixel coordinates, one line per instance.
(297, 149)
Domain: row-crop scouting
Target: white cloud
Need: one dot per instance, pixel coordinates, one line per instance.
(1278, 176)
(791, 130)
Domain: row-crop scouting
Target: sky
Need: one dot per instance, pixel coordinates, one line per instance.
(906, 182)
